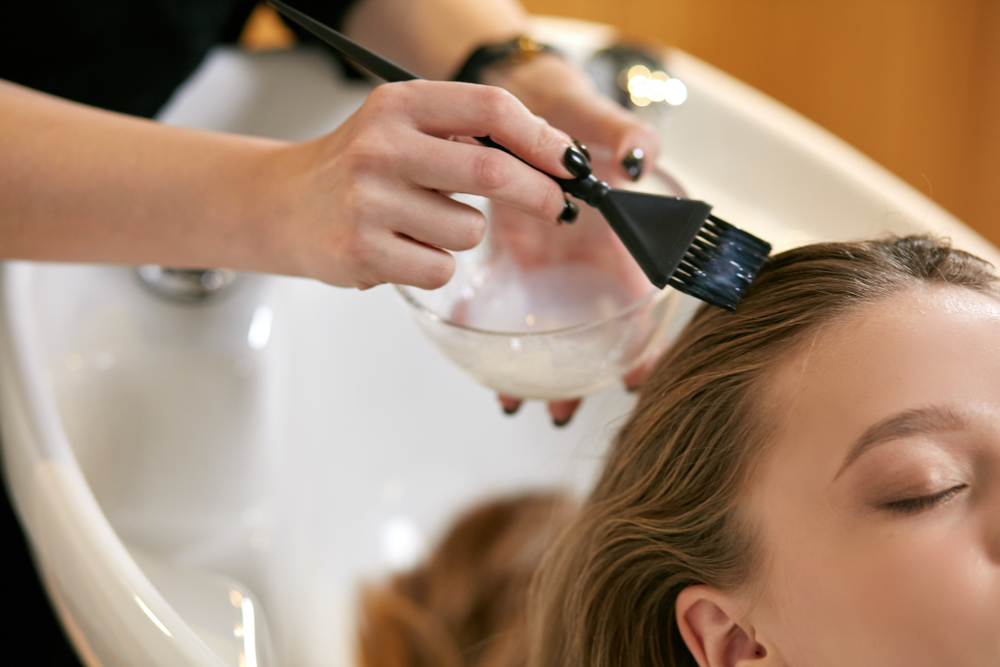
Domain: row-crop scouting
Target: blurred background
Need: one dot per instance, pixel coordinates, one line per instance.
(914, 84)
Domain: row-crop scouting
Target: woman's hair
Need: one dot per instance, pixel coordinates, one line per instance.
(465, 606)
(665, 513)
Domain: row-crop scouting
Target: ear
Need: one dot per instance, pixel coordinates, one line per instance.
(707, 621)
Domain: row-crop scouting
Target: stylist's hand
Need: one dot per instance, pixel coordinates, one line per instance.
(368, 204)
(621, 144)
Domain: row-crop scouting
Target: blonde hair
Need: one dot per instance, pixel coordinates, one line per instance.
(664, 514)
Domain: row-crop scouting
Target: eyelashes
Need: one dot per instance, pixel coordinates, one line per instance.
(920, 503)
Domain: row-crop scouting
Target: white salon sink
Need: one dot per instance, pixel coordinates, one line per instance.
(208, 484)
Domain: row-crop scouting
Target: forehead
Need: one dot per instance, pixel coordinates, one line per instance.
(925, 346)
(905, 335)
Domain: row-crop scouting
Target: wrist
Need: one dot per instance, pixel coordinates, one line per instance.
(494, 56)
(252, 234)
(540, 83)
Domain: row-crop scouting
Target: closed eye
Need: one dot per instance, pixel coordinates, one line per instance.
(914, 505)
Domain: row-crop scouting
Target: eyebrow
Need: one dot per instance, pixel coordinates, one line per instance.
(918, 421)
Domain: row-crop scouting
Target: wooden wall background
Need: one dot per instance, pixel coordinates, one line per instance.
(915, 84)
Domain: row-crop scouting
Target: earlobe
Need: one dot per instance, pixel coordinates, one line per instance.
(706, 620)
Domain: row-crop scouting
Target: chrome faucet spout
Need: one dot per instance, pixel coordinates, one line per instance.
(187, 285)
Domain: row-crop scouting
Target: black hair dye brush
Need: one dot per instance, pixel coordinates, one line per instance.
(675, 241)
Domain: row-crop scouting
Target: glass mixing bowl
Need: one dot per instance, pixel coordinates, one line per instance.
(559, 326)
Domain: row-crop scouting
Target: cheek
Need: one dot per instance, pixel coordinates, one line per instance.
(935, 588)
(812, 605)
(912, 598)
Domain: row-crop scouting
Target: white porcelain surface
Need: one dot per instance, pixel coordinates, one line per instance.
(179, 467)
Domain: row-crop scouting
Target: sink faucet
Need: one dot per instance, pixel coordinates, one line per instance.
(188, 285)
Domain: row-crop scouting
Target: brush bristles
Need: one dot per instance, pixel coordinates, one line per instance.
(720, 264)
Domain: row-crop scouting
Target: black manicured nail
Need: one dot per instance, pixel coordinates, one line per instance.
(582, 149)
(570, 212)
(633, 163)
(576, 162)
(510, 411)
(560, 422)
(632, 389)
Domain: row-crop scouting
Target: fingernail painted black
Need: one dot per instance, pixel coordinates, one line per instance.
(633, 163)
(582, 149)
(576, 162)
(570, 212)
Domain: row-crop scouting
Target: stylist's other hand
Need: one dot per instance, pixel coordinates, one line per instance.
(564, 96)
(368, 204)
(518, 241)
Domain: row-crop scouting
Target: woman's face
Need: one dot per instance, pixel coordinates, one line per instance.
(879, 503)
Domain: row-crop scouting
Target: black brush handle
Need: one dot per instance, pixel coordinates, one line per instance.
(589, 189)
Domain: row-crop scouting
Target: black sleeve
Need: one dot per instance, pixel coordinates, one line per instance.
(124, 55)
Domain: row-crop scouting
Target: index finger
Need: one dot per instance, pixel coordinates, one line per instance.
(444, 109)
